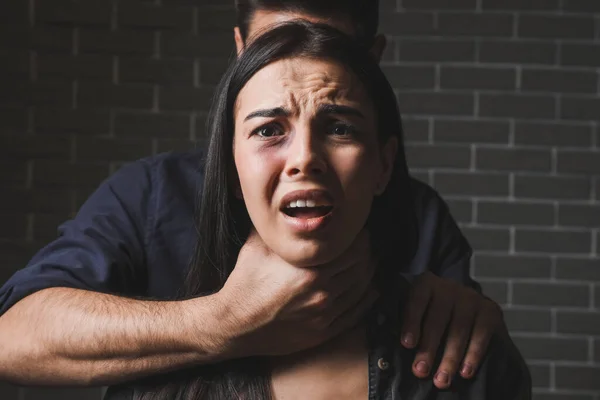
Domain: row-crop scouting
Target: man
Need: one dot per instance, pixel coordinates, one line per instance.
(80, 312)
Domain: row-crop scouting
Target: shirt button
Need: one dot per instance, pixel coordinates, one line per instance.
(380, 319)
(382, 364)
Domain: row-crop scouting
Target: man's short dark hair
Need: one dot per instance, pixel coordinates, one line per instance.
(363, 13)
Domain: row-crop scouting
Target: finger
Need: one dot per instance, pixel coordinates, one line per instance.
(414, 310)
(436, 320)
(456, 344)
(485, 325)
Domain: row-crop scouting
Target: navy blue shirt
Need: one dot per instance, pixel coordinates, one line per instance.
(135, 236)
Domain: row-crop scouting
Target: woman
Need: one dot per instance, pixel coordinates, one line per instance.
(305, 153)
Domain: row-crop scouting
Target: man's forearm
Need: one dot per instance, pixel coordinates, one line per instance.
(67, 336)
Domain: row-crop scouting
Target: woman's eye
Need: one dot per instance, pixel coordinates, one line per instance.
(342, 129)
(267, 131)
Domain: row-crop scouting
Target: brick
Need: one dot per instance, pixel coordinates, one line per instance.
(497, 291)
(547, 80)
(582, 269)
(51, 38)
(475, 24)
(14, 11)
(461, 210)
(179, 145)
(415, 130)
(579, 215)
(149, 70)
(68, 67)
(487, 238)
(109, 149)
(15, 64)
(438, 156)
(579, 378)
(74, 12)
(13, 172)
(13, 119)
(128, 42)
(540, 375)
(579, 162)
(469, 131)
(62, 393)
(511, 266)
(92, 94)
(184, 98)
(551, 294)
(471, 184)
(513, 159)
(553, 241)
(439, 4)
(406, 23)
(45, 226)
(580, 54)
(552, 187)
(550, 349)
(597, 350)
(216, 20)
(138, 14)
(34, 146)
(561, 396)
(517, 106)
(518, 52)
(553, 134)
(60, 120)
(152, 125)
(556, 27)
(67, 175)
(436, 103)
(525, 5)
(478, 78)
(39, 93)
(35, 200)
(436, 50)
(528, 320)
(212, 70)
(216, 44)
(585, 6)
(515, 213)
(583, 108)
(410, 77)
(13, 226)
(578, 323)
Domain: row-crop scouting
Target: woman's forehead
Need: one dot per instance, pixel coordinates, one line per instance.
(301, 83)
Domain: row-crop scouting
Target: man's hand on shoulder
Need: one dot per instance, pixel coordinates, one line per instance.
(438, 306)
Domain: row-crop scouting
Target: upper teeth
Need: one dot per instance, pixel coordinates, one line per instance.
(304, 203)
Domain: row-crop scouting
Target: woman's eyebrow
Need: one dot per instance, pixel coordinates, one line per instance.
(338, 110)
(268, 113)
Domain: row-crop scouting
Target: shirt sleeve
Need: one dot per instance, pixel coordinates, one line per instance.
(442, 248)
(101, 249)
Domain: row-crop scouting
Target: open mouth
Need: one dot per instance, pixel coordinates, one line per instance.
(307, 212)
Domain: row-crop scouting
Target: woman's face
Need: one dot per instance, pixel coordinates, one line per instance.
(308, 158)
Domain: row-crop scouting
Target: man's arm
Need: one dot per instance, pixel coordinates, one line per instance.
(64, 336)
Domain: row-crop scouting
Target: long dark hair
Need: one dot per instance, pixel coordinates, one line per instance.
(223, 223)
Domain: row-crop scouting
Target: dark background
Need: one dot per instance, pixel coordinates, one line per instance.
(501, 101)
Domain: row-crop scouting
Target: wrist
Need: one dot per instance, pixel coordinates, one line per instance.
(213, 331)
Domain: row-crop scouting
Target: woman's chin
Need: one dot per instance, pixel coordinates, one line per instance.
(310, 255)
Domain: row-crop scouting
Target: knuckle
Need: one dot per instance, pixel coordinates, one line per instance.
(321, 300)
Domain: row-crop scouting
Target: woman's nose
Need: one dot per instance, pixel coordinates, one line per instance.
(306, 155)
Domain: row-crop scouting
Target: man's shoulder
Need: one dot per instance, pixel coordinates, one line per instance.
(426, 199)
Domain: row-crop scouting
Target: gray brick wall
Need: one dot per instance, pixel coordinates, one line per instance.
(502, 107)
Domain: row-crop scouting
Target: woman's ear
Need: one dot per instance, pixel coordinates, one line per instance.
(239, 42)
(388, 157)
